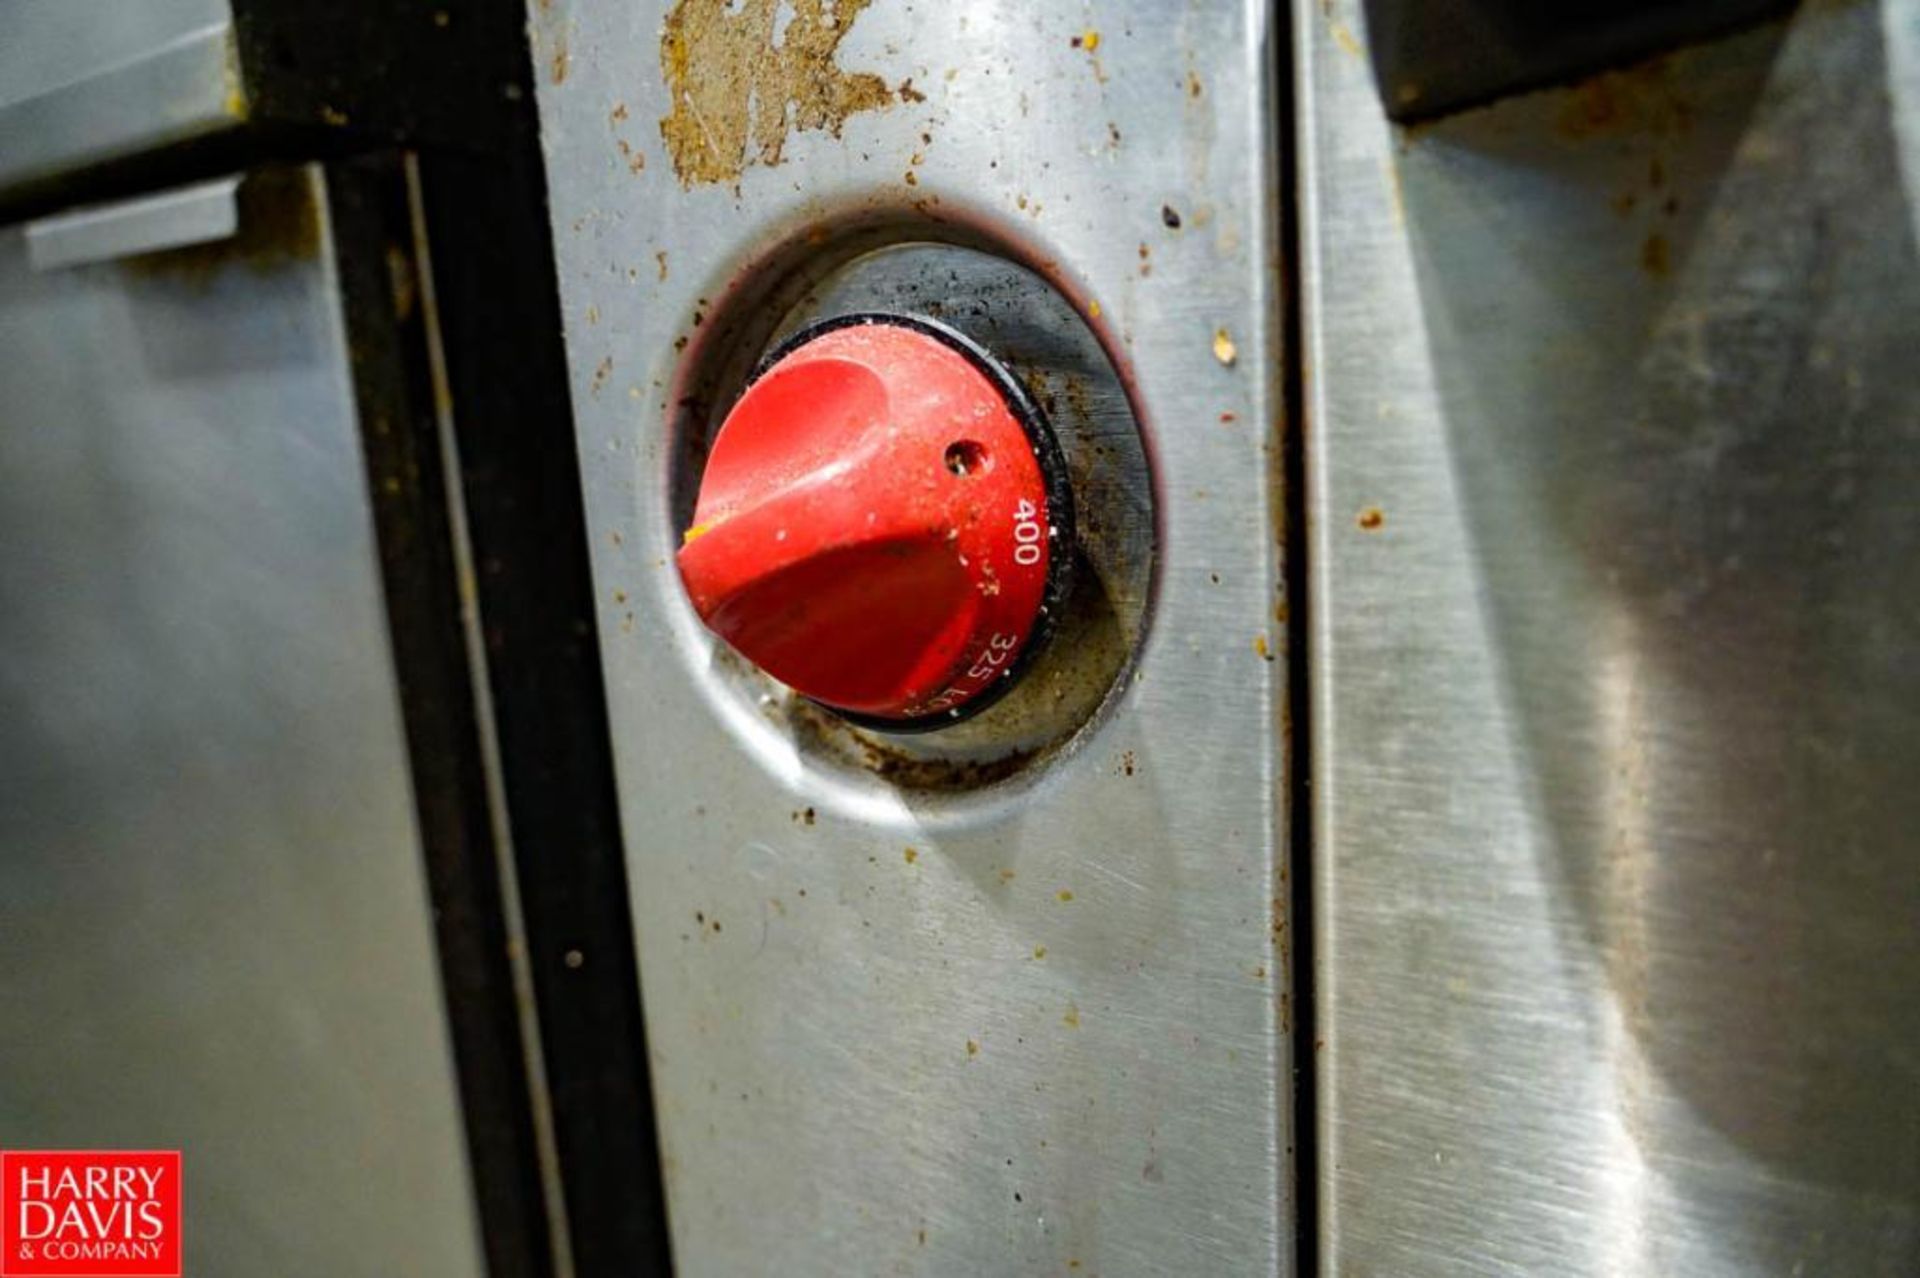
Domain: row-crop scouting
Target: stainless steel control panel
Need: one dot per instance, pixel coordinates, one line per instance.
(955, 1007)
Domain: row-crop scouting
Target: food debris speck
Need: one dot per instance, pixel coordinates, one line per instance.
(1093, 309)
(912, 856)
(1261, 647)
(1039, 951)
(1372, 519)
(1169, 217)
(1223, 348)
(1072, 1019)
(1064, 895)
(973, 1048)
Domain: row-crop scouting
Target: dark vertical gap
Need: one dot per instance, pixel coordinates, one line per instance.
(393, 391)
(498, 308)
(1299, 798)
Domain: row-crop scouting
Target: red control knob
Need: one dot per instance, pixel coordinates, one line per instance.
(883, 524)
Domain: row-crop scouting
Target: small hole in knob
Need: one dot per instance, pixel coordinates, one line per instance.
(964, 457)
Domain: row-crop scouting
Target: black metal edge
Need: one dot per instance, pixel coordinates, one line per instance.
(1432, 58)
(393, 392)
(437, 73)
(498, 306)
(1303, 1150)
(1054, 475)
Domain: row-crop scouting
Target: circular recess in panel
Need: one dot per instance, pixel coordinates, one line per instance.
(803, 347)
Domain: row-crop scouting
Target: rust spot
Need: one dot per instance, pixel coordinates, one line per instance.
(910, 94)
(561, 62)
(973, 1049)
(1655, 257)
(1006, 876)
(1639, 101)
(400, 279)
(660, 260)
(911, 856)
(1262, 648)
(1372, 519)
(737, 95)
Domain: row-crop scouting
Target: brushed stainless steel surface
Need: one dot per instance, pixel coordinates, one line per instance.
(1022, 1027)
(82, 82)
(217, 936)
(1615, 437)
(197, 214)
